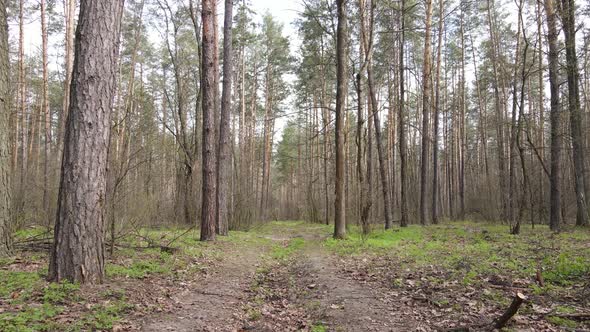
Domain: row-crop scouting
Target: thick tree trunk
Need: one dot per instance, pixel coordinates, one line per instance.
(223, 152)
(573, 79)
(426, 107)
(209, 209)
(5, 158)
(341, 93)
(78, 249)
(555, 115)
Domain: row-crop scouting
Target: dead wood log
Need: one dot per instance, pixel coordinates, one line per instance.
(39, 244)
(170, 250)
(575, 316)
(501, 321)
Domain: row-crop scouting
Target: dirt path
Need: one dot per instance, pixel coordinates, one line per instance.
(348, 305)
(338, 303)
(212, 304)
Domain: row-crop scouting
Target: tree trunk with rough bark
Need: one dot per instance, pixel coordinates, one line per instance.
(223, 152)
(555, 118)
(436, 116)
(426, 106)
(5, 158)
(401, 124)
(208, 209)
(78, 250)
(573, 79)
(341, 94)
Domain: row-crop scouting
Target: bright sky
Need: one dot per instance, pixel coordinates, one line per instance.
(285, 11)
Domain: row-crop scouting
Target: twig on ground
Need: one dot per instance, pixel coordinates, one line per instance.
(501, 321)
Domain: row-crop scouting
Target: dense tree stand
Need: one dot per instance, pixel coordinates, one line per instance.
(446, 144)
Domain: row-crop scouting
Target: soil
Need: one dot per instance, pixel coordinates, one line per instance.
(349, 305)
(220, 301)
(212, 303)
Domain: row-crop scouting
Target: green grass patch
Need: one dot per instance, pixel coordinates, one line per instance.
(567, 266)
(18, 285)
(31, 318)
(60, 293)
(318, 328)
(472, 251)
(30, 232)
(283, 252)
(102, 317)
(377, 241)
(138, 269)
(35, 302)
(563, 322)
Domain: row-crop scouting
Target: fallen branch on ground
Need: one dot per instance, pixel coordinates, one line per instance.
(35, 244)
(501, 321)
(575, 316)
(170, 250)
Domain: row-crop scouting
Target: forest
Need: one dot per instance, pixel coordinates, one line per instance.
(294, 165)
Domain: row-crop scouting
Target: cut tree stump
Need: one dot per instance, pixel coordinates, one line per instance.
(501, 321)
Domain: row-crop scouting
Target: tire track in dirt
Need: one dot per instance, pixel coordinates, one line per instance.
(212, 304)
(338, 303)
(346, 304)
(330, 298)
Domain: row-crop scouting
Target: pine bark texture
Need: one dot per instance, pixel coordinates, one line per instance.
(401, 123)
(208, 209)
(341, 93)
(573, 79)
(5, 158)
(436, 116)
(555, 118)
(426, 105)
(78, 251)
(223, 154)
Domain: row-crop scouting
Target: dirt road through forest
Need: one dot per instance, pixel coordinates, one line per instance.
(219, 301)
(213, 303)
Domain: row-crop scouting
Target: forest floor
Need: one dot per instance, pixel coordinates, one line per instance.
(291, 276)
